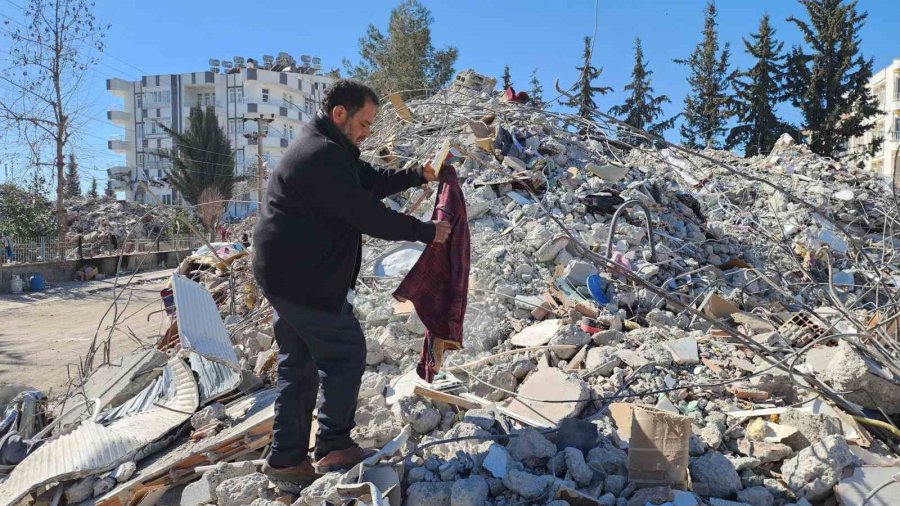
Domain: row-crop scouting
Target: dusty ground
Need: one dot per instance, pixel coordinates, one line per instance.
(41, 333)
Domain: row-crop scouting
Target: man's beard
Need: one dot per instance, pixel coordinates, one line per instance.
(346, 131)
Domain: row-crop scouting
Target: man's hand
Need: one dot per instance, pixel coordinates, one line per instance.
(441, 231)
(428, 172)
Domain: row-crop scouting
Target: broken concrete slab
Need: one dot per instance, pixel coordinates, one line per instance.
(814, 470)
(203, 491)
(859, 489)
(865, 381)
(538, 334)
(242, 490)
(809, 427)
(550, 383)
(684, 351)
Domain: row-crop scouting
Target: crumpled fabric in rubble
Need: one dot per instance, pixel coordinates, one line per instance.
(438, 284)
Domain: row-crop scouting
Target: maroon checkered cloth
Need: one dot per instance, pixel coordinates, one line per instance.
(438, 284)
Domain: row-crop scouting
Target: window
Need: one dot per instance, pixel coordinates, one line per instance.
(290, 132)
(166, 199)
(158, 143)
(239, 160)
(234, 127)
(139, 130)
(265, 95)
(309, 105)
(236, 95)
(145, 143)
(139, 99)
(287, 100)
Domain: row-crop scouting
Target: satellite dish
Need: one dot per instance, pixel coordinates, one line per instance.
(268, 58)
(213, 62)
(214, 70)
(317, 61)
(305, 58)
(238, 60)
(227, 64)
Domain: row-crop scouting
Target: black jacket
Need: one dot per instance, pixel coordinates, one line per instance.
(320, 199)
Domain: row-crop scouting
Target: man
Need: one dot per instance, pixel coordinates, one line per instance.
(307, 255)
(7, 244)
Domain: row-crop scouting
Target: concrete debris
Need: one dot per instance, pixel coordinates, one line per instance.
(81, 490)
(527, 485)
(577, 467)
(202, 418)
(756, 496)
(530, 444)
(496, 462)
(472, 491)
(242, 490)
(716, 475)
(429, 494)
(550, 383)
(815, 470)
(204, 490)
(563, 331)
(124, 472)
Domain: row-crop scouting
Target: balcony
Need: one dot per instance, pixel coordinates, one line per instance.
(119, 144)
(119, 87)
(119, 117)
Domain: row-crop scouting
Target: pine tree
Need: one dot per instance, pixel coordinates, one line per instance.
(641, 109)
(537, 91)
(92, 193)
(507, 79)
(706, 107)
(757, 92)
(73, 181)
(404, 59)
(829, 84)
(203, 158)
(583, 96)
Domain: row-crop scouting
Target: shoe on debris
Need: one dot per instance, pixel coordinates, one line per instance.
(338, 460)
(301, 474)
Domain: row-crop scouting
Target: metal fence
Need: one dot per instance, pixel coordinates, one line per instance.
(49, 248)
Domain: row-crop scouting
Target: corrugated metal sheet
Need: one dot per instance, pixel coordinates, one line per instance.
(162, 386)
(200, 327)
(215, 379)
(92, 448)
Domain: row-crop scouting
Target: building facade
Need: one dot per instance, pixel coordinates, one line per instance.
(282, 92)
(885, 87)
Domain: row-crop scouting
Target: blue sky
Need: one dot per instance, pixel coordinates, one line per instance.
(167, 36)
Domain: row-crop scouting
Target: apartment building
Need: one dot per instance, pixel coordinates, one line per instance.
(284, 92)
(885, 87)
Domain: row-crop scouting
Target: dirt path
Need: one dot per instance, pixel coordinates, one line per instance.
(41, 333)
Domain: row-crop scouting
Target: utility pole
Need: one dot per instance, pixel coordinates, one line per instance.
(260, 171)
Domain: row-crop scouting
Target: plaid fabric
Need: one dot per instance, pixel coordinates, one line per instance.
(438, 284)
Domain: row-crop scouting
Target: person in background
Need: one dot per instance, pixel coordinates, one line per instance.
(245, 240)
(7, 244)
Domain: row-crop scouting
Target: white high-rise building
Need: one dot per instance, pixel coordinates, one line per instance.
(279, 89)
(885, 87)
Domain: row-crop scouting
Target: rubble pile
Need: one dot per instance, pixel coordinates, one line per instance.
(103, 225)
(645, 325)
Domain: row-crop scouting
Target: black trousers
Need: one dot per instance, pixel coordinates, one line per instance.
(315, 345)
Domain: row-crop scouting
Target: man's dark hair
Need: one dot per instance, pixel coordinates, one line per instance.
(353, 95)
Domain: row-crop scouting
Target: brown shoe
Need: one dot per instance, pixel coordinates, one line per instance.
(340, 460)
(302, 474)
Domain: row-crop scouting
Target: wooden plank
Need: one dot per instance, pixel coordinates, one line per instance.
(444, 397)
